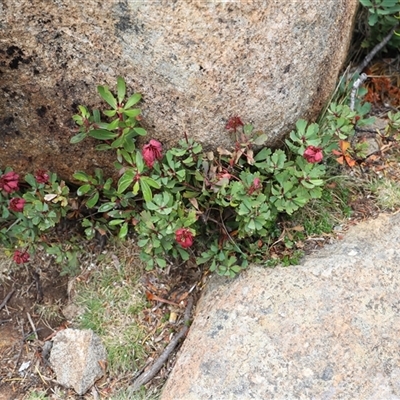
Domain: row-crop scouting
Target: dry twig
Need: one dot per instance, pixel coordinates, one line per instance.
(377, 48)
(153, 370)
(4, 302)
(364, 63)
(32, 325)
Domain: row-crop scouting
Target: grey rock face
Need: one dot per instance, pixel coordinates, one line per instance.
(76, 358)
(197, 63)
(326, 329)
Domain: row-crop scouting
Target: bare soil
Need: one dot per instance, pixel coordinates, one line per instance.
(21, 340)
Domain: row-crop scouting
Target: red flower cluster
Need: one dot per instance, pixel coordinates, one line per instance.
(152, 152)
(21, 257)
(233, 123)
(9, 182)
(313, 154)
(16, 204)
(41, 176)
(184, 237)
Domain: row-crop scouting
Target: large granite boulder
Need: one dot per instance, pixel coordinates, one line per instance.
(326, 329)
(197, 63)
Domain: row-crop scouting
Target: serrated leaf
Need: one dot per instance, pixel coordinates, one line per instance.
(151, 206)
(31, 180)
(161, 262)
(260, 140)
(247, 129)
(301, 125)
(142, 242)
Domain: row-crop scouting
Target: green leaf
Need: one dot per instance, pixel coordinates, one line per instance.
(126, 155)
(78, 138)
(147, 195)
(301, 125)
(110, 113)
(251, 225)
(131, 113)
(106, 207)
(129, 143)
(125, 181)
(96, 116)
(151, 182)
(105, 93)
(84, 189)
(139, 162)
(135, 98)
(118, 142)
(113, 125)
(31, 180)
(102, 134)
(84, 111)
(143, 242)
(103, 147)
(260, 140)
(121, 89)
(373, 19)
(93, 200)
(183, 253)
(161, 262)
(115, 222)
(151, 206)
(39, 206)
(247, 129)
(136, 187)
(123, 231)
(81, 176)
(140, 131)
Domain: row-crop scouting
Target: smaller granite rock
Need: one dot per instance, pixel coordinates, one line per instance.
(76, 358)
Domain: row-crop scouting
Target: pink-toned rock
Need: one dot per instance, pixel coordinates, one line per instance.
(197, 63)
(326, 329)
